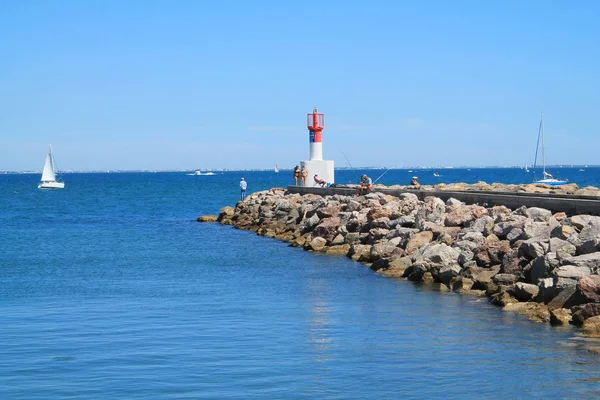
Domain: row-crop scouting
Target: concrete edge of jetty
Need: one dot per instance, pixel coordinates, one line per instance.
(567, 203)
(537, 254)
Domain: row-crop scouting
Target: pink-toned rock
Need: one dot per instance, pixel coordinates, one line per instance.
(589, 287)
(463, 215)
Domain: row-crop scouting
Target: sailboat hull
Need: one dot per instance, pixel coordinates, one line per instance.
(51, 185)
(551, 182)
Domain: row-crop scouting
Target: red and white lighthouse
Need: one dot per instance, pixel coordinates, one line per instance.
(315, 123)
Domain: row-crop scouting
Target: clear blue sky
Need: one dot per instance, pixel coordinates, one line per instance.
(130, 84)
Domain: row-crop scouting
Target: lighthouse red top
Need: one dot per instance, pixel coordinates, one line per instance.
(315, 123)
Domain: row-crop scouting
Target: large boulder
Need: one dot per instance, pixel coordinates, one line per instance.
(525, 291)
(538, 214)
(338, 250)
(585, 311)
(440, 254)
(591, 326)
(418, 240)
(448, 272)
(491, 251)
(589, 288)
(461, 215)
(226, 213)
(541, 230)
(360, 252)
(327, 228)
(317, 244)
(591, 261)
(532, 311)
(580, 221)
(396, 267)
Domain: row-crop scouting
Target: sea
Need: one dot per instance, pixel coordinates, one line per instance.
(110, 289)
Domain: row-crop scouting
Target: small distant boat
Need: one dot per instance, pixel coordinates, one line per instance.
(436, 174)
(581, 170)
(198, 172)
(526, 168)
(49, 173)
(547, 179)
(276, 169)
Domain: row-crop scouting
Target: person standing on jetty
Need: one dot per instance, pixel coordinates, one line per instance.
(303, 174)
(243, 186)
(296, 174)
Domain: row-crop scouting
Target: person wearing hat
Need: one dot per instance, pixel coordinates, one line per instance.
(415, 181)
(366, 184)
(319, 181)
(243, 186)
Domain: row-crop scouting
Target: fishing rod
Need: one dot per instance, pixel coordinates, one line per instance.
(351, 167)
(384, 172)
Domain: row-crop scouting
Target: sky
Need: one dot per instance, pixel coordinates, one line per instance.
(198, 84)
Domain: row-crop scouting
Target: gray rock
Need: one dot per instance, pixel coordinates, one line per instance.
(514, 234)
(473, 236)
(541, 230)
(448, 272)
(482, 225)
(580, 221)
(533, 248)
(525, 291)
(592, 261)
(504, 279)
(538, 269)
(572, 271)
(453, 202)
(440, 254)
(538, 214)
(588, 246)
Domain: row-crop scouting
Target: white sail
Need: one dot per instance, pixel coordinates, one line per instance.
(48, 173)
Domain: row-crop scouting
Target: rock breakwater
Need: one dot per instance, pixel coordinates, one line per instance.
(542, 265)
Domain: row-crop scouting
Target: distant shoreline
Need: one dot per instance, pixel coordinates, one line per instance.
(416, 169)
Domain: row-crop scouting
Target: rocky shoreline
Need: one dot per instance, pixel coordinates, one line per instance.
(544, 266)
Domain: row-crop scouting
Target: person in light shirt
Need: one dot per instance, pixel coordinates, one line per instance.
(243, 187)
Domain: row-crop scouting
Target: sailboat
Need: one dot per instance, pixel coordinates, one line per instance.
(49, 174)
(276, 169)
(547, 179)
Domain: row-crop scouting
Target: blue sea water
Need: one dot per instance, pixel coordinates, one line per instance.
(110, 289)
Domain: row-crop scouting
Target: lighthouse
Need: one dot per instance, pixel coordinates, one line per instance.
(315, 122)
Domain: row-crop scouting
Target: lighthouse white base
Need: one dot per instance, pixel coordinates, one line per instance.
(324, 168)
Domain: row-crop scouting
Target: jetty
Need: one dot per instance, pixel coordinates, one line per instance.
(535, 252)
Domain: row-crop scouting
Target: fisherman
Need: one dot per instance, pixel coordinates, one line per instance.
(365, 185)
(243, 186)
(415, 181)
